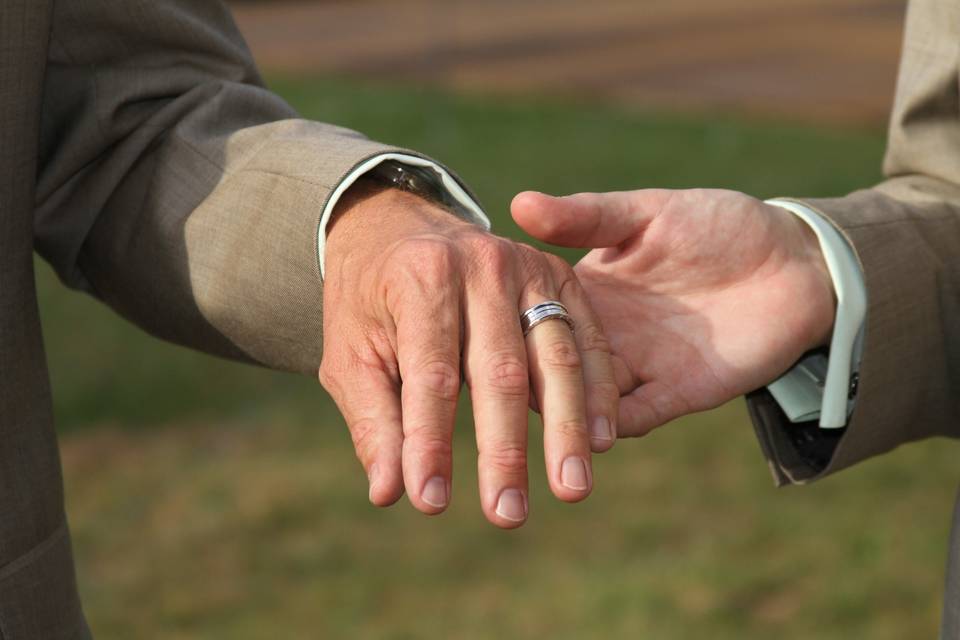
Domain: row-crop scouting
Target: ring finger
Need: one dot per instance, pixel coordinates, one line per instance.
(557, 379)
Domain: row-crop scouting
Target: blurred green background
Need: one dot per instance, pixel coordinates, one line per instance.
(212, 500)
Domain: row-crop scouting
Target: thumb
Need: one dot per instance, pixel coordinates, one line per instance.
(587, 219)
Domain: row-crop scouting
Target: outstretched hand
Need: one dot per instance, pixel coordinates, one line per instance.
(704, 294)
(416, 299)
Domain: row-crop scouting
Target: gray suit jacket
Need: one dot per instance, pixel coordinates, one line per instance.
(142, 157)
(906, 233)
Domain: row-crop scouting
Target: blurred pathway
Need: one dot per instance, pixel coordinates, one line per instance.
(822, 60)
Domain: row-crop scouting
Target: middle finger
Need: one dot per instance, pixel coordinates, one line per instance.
(495, 363)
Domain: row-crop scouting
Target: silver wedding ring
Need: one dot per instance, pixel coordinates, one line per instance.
(549, 310)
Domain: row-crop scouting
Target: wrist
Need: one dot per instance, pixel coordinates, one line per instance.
(817, 294)
(370, 216)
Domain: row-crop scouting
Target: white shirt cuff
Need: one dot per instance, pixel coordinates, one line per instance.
(818, 386)
(466, 207)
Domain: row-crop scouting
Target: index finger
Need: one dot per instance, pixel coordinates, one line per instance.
(428, 352)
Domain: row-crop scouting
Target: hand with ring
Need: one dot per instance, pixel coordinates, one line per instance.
(416, 300)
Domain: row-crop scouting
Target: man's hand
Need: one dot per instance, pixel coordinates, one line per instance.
(415, 298)
(704, 294)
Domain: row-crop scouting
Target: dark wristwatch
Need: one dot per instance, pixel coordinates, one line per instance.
(420, 181)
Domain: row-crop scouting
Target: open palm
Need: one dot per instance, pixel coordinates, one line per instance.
(704, 294)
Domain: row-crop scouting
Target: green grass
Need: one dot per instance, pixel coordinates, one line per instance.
(213, 500)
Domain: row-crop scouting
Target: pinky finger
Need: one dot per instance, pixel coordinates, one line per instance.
(601, 390)
(370, 402)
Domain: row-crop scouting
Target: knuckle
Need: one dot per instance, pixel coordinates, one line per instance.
(561, 355)
(571, 429)
(341, 366)
(559, 265)
(592, 338)
(539, 276)
(529, 256)
(495, 256)
(539, 284)
(329, 374)
(429, 260)
(324, 374)
(506, 457)
(605, 391)
(440, 379)
(430, 443)
(363, 434)
(508, 375)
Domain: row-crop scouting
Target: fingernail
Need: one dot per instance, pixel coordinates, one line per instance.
(511, 505)
(372, 476)
(435, 492)
(600, 429)
(573, 474)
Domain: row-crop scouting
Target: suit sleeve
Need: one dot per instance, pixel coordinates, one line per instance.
(906, 234)
(177, 189)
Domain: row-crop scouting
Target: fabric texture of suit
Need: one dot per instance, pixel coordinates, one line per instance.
(142, 157)
(906, 233)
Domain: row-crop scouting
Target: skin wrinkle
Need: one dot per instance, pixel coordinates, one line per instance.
(635, 240)
(687, 342)
(652, 381)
